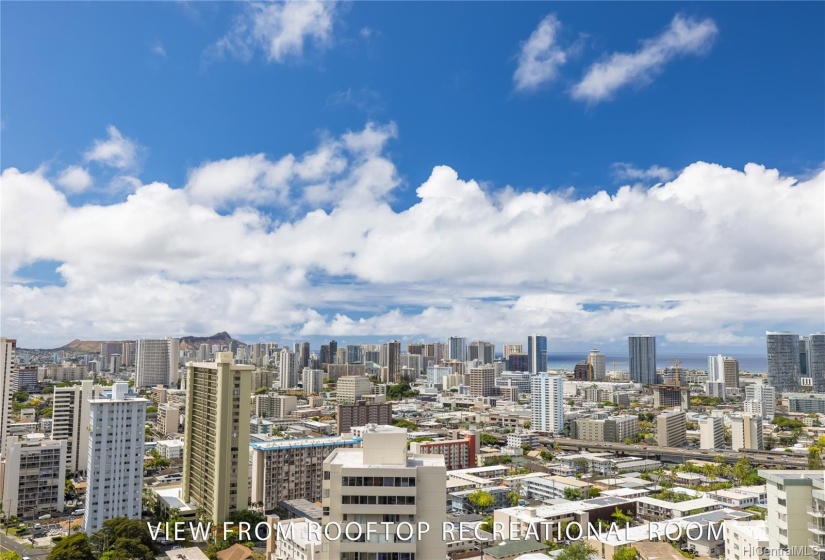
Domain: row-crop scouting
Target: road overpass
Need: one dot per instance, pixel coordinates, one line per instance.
(680, 455)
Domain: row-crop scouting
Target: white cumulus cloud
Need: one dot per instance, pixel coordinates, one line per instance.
(115, 151)
(540, 56)
(628, 172)
(683, 36)
(708, 251)
(74, 179)
(279, 29)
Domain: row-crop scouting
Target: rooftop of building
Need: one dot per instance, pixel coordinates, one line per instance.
(354, 458)
(687, 505)
(191, 553)
(511, 548)
(302, 508)
(791, 478)
(303, 443)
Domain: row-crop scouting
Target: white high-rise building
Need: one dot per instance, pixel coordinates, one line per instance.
(35, 476)
(711, 433)
(765, 395)
(716, 368)
(8, 363)
(289, 369)
(157, 363)
(114, 469)
(547, 403)
(70, 418)
(313, 381)
(598, 367)
(383, 483)
(746, 432)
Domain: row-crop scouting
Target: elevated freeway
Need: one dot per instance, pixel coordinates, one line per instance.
(680, 455)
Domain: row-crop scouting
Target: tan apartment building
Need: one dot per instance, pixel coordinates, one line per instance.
(361, 413)
(216, 443)
(671, 429)
(383, 483)
(350, 388)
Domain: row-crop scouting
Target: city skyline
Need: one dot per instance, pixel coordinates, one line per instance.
(518, 178)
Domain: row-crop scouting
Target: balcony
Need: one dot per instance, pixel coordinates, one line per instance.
(816, 528)
(816, 513)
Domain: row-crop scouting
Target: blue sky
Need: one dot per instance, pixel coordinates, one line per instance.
(439, 82)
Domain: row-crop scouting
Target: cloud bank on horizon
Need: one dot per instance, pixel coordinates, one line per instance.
(309, 244)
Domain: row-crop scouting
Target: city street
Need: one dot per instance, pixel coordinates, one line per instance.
(8, 543)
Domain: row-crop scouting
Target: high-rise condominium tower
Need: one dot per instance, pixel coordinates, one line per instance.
(157, 362)
(547, 403)
(70, 418)
(114, 465)
(216, 445)
(641, 350)
(783, 361)
(457, 348)
(8, 364)
(536, 353)
(816, 361)
(596, 365)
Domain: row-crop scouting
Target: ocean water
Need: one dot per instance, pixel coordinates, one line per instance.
(753, 363)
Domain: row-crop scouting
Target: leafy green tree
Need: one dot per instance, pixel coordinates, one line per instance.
(11, 555)
(73, 547)
(514, 498)
(579, 550)
(481, 500)
(814, 458)
(404, 423)
(572, 494)
(622, 518)
(122, 533)
(626, 553)
(546, 455)
(20, 396)
(593, 492)
(488, 439)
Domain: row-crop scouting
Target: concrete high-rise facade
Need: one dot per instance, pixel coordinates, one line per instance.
(157, 362)
(288, 369)
(8, 364)
(783, 361)
(292, 469)
(765, 395)
(313, 381)
(730, 370)
(671, 429)
(216, 444)
(114, 466)
(349, 416)
(351, 387)
(457, 348)
(484, 352)
(383, 483)
(536, 353)
(70, 418)
(716, 368)
(711, 433)
(596, 365)
(641, 351)
(35, 476)
(816, 361)
(482, 381)
(512, 349)
(391, 352)
(547, 403)
(746, 432)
